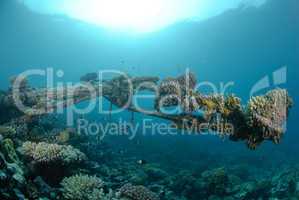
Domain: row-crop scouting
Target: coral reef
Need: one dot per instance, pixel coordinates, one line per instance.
(154, 172)
(151, 180)
(7, 131)
(285, 184)
(131, 192)
(46, 153)
(51, 163)
(267, 115)
(218, 184)
(90, 77)
(216, 181)
(83, 187)
(262, 119)
(12, 180)
(7, 148)
(172, 91)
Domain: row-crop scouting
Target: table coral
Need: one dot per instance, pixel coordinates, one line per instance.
(267, 115)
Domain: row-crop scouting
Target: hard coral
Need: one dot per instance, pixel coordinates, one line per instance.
(267, 115)
(173, 90)
(7, 131)
(90, 77)
(7, 147)
(285, 184)
(45, 153)
(131, 192)
(83, 187)
(217, 181)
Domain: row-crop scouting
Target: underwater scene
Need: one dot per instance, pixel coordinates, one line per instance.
(149, 100)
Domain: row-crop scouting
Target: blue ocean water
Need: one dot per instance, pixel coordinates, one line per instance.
(240, 45)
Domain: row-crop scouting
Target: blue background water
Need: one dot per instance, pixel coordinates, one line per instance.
(240, 45)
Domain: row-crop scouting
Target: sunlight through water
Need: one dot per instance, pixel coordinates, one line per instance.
(137, 15)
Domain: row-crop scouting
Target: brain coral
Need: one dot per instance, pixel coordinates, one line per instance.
(44, 153)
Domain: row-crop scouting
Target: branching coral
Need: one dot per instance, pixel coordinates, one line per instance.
(7, 147)
(84, 187)
(46, 153)
(137, 193)
(7, 131)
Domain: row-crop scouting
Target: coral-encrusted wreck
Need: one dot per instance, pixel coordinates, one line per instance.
(261, 119)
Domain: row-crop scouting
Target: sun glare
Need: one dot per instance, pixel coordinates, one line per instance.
(130, 15)
(136, 15)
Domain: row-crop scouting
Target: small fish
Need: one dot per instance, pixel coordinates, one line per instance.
(141, 162)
